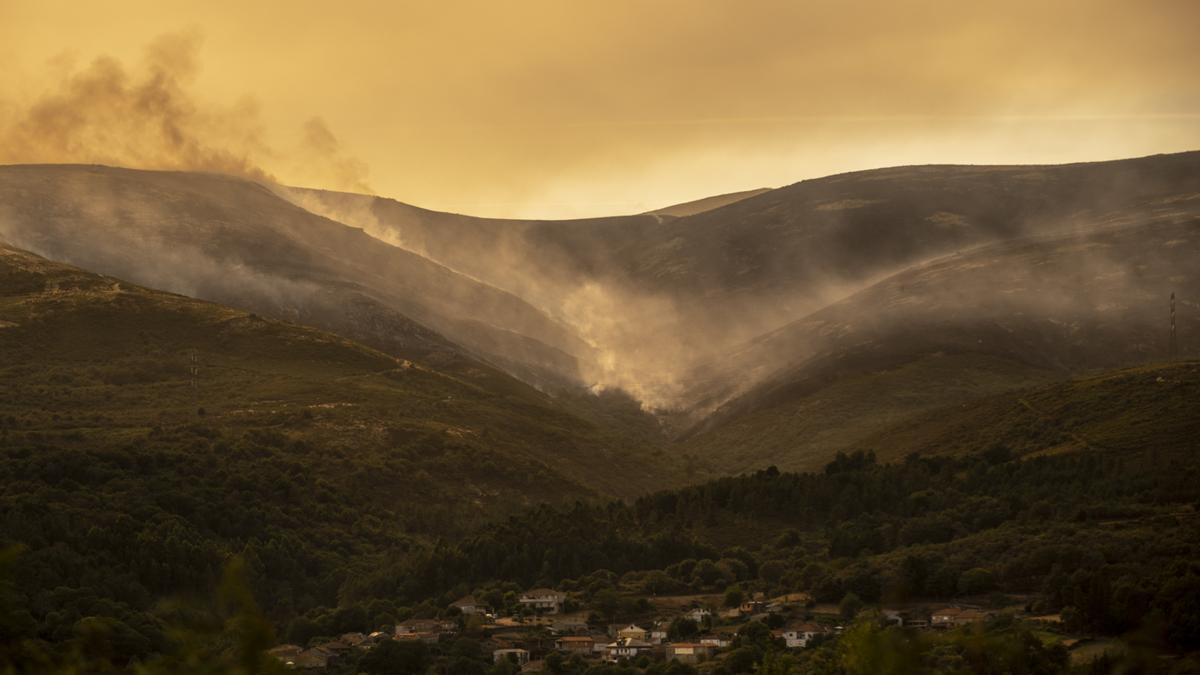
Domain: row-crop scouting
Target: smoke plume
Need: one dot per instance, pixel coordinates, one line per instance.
(148, 116)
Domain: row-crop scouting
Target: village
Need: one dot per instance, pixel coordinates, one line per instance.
(688, 629)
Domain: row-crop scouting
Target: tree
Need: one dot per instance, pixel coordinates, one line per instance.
(607, 603)
(778, 663)
(850, 606)
(734, 596)
(976, 580)
(772, 571)
(682, 628)
(867, 649)
(458, 665)
(742, 660)
(657, 582)
(395, 658)
(233, 636)
(706, 572)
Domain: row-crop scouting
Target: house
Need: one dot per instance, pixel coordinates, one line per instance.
(569, 623)
(690, 652)
(357, 640)
(469, 605)
(752, 607)
(544, 600)
(657, 636)
(944, 617)
(949, 617)
(699, 614)
(626, 648)
(425, 626)
(285, 653)
(336, 647)
(906, 617)
(799, 635)
(424, 630)
(313, 659)
(716, 640)
(970, 616)
(790, 600)
(633, 632)
(519, 656)
(576, 644)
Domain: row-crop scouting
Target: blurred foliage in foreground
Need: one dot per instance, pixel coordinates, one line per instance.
(226, 635)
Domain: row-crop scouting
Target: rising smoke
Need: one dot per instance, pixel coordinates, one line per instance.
(147, 116)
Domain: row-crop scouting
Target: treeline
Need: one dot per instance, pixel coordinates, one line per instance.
(1109, 539)
(108, 532)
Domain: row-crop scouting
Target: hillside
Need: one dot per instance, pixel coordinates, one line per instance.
(78, 341)
(706, 204)
(958, 328)
(1153, 408)
(997, 507)
(236, 242)
(990, 513)
(784, 326)
(169, 433)
(660, 301)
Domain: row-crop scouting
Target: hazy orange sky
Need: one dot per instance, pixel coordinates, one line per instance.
(559, 108)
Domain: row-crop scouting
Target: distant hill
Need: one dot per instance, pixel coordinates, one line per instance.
(660, 301)
(91, 361)
(783, 326)
(1148, 408)
(943, 333)
(147, 437)
(236, 242)
(706, 204)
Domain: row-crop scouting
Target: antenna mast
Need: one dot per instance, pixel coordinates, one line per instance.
(1174, 346)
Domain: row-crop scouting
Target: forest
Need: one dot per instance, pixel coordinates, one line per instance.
(1107, 539)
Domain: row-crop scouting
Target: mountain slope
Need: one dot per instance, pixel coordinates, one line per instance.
(706, 204)
(965, 326)
(91, 361)
(236, 242)
(657, 300)
(1153, 408)
(146, 437)
(853, 227)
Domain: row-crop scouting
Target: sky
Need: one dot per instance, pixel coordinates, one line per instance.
(561, 109)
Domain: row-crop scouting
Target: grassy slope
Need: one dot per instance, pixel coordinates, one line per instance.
(804, 434)
(707, 203)
(702, 288)
(1150, 411)
(89, 361)
(1153, 407)
(235, 242)
(1150, 407)
(961, 328)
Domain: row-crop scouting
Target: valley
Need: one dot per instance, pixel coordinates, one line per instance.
(363, 410)
(736, 337)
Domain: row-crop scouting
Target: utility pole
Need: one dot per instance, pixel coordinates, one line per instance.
(196, 368)
(1174, 345)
